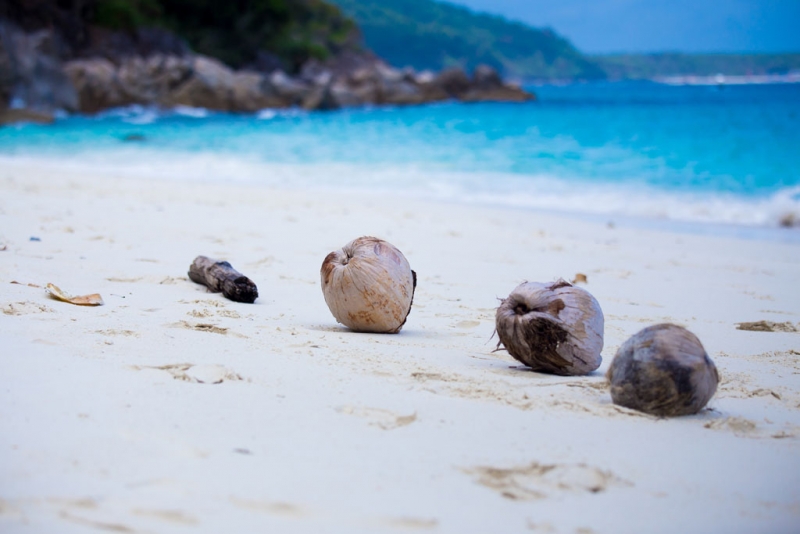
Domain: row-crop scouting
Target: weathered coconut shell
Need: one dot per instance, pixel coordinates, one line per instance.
(663, 370)
(552, 327)
(368, 285)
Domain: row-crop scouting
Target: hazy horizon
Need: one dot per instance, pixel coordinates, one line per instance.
(648, 26)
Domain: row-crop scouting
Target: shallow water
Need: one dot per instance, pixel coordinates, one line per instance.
(716, 155)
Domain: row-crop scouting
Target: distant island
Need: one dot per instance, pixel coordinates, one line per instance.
(426, 34)
(671, 64)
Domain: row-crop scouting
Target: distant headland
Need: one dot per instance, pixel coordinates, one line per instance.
(90, 55)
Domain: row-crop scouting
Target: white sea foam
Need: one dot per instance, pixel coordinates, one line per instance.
(266, 114)
(133, 114)
(188, 111)
(509, 190)
(722, 79)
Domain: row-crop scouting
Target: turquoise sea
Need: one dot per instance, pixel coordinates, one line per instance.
(704, 156)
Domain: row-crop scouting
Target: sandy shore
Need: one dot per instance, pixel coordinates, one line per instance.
(106, 423)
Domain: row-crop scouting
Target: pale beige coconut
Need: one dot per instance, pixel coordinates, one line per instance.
(368, 285)
(552, 327)
(663, 370)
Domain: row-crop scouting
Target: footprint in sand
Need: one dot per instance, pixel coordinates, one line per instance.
(738, 425)
(168, 516)
(200, 374)
(411, 523)
(206, 327)
(99, 525)
(25, 308)
(537, 481)
(284, 509)
(384, 419)
(200, 314)
(112, 332)
(221, 312)
(205, 302)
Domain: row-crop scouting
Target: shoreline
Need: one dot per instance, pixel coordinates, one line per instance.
(442, 186)
(315, 427)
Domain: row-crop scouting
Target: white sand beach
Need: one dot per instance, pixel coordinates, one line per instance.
(109, 420)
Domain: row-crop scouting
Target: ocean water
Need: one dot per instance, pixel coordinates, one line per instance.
(705, 157)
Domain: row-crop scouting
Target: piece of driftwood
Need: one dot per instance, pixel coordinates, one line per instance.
(220, 276)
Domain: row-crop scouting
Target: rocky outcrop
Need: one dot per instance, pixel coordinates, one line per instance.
(148, 79)
(11, 116)
(96, 84)
(152, 67)
(7, 76)
(31, 74)
(487, 86)
(209, 85)
(253, 91)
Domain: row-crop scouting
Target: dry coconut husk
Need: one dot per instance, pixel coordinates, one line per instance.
(552, 327)
(368, 286)
(663, 370)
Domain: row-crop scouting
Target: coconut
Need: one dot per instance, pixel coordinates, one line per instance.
(368, 285)
(663, 370)
(552, 327)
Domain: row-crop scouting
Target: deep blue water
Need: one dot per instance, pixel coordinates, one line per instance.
(726, 154)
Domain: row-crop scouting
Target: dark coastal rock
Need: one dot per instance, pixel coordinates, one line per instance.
(430, 89)
(31, 71)
(396, 87)
(487, 86)
(400, 93)
(292, 90)
(454, 81)
(7, 76)
(349, 93)
(320, 98)
(44, 71)
(252, 91)
(315, 73)
(12, 116)
(146, 80)
(209, 86)
(506, 93)
(96, 84)
(486, 77)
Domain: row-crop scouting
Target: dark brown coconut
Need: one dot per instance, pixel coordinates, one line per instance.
(663, 370)
(554, 328)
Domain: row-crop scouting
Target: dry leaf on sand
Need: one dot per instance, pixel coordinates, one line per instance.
(85, 300)
(580, 277)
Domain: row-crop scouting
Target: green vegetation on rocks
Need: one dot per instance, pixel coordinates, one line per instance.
(237, 32)
(432, 35)
(234, 31)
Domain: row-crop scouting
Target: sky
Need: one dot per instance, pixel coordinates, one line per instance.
(607, 26)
